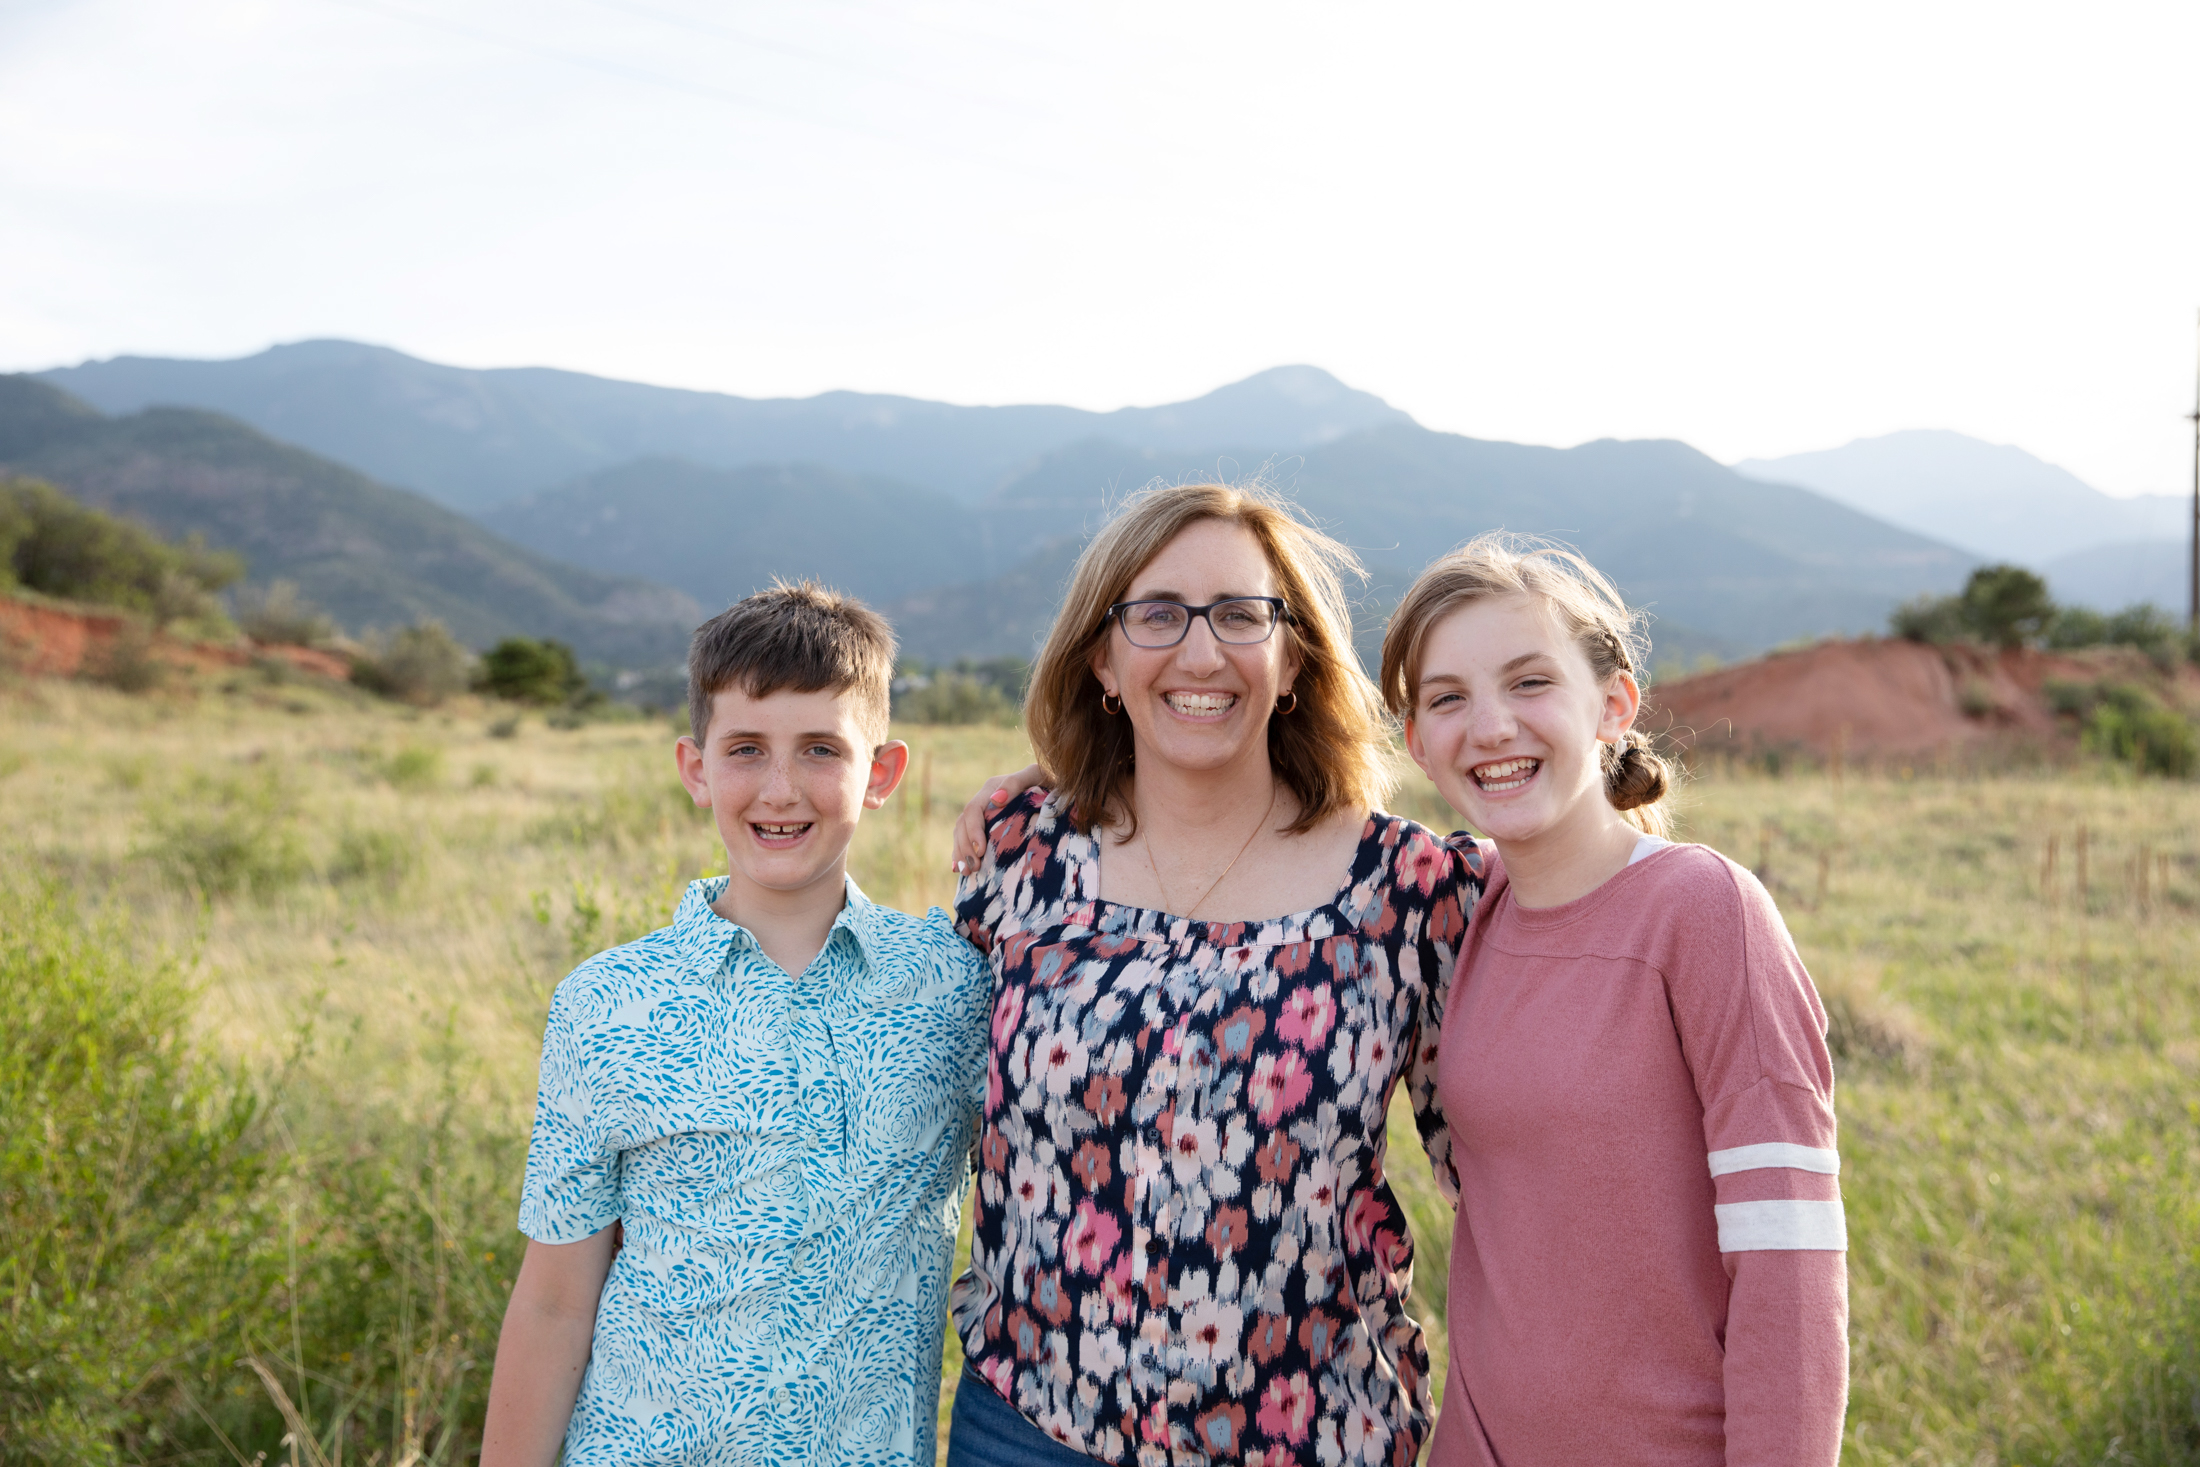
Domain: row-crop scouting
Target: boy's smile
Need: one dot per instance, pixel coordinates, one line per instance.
(786, 776)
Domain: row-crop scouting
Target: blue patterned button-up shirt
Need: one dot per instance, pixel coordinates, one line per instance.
(788, 1155)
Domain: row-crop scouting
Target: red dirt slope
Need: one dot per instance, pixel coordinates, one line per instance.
(46, 640)
(1881, 698)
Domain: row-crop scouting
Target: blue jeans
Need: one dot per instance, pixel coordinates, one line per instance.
(986, 1431)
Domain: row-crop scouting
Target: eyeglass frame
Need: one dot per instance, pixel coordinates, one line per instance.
(1198, 613)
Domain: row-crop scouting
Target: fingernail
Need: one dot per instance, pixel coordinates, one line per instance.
(999, 795)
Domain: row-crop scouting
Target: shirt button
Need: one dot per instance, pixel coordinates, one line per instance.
(779, 1399)
(1155, 1247)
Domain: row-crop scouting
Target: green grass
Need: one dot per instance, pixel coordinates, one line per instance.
(367, 949)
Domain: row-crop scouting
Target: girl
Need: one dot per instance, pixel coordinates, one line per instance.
(1648, 1264)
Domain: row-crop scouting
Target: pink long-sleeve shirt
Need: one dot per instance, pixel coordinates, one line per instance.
(1648, 1264)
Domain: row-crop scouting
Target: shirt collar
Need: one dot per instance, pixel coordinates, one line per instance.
(704, 937)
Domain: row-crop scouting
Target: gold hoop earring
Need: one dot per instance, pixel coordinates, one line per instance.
(1288, 704)
(1106, 699)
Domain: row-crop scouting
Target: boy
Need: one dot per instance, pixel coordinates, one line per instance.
(753, 1130)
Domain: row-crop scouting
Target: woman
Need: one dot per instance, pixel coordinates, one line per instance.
(1648, 1263)
(1213, 962)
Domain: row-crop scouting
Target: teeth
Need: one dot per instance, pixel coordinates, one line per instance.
(1199, 705)
(1506, 774)
(782, 829)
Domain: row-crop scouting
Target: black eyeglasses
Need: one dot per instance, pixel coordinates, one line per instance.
(1242, 621)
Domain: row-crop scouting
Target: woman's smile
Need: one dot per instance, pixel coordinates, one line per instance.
(1206, 706)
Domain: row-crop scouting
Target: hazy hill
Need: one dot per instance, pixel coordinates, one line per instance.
(1992, 499)
(2111, 577)
(1725, 564)
(473, 439)
(718, 534)
(371, 554)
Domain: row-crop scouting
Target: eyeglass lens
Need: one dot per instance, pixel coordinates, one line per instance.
(1164, 623)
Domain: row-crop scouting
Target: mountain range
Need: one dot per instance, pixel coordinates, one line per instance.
(2001, 503)
(370, 554)
(472, 439)
(962, 521)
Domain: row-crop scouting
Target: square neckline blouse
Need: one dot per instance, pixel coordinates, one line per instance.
(1184, 1241)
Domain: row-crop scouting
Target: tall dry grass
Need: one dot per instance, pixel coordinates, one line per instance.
(370, 908)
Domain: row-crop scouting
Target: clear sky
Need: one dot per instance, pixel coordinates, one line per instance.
(1761, 228)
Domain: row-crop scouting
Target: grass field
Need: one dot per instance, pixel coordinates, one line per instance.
(364, 911)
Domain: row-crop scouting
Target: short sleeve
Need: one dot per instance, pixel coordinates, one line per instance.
(572, 1187)
(1450, 900)
(980, 902)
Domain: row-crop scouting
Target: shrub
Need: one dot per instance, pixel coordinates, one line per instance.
(131, 1218)
(281, 616)
(522, 670)
(1933, 620)
(2069, 698)
(2130, 724)
(382, 857)
(2077, 626)
(225, 837)
(127, 664)
(2006, 605)
(957, 699)
(61, 548)
(412, 768)
(2143, 625)
(421, 664)
(988, 691)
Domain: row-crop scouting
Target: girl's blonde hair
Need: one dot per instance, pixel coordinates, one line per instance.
(1588, 606)
(1326, 750)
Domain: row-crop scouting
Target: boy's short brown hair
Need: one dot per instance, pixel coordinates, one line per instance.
(803, 638)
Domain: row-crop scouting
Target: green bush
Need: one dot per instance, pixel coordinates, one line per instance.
(2006, 605)
(421, 664)
(135, 1235)
(280, 615)
(2130, 724)
(2077, 626)
(128, 664)
(987, 691)
(1933, 620)
(58, 547)
(2142, 625)
(227, 837)
(381, 857)
(956, 699)
(523, 670)
(415, 767)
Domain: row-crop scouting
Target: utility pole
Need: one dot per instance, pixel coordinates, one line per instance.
(2192, 616)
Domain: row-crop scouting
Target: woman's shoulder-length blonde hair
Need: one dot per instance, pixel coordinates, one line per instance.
(1328, 750)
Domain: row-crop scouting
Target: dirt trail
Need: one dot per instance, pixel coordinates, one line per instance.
(1885, 698)
(48, 640)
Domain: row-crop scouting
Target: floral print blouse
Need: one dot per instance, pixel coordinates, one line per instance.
(1185, 1248)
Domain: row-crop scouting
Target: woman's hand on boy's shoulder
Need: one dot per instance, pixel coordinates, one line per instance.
(988, 802)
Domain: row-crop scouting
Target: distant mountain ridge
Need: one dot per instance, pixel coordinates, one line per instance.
(1990, 498)
(965, 520)
(372, 555)
(1723, 564)
(475, 439)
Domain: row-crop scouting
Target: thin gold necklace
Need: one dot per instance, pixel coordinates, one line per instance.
(1163, 887)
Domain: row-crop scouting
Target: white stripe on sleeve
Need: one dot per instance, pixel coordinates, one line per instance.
(1775, 1153)
(1782, 1224)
